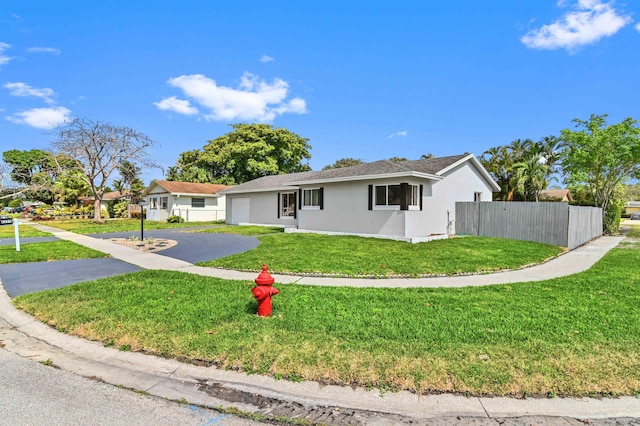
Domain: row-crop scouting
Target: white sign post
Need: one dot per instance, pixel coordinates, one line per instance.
(17, 234)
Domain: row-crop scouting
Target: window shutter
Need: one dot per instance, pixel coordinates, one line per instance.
(421, 190)
(370, 197)
(321, 198)
(295, 206)
(300, 198)
(278, 194)
(404, 196)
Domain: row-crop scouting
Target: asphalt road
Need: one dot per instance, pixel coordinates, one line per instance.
(34, 394)
(192, 247)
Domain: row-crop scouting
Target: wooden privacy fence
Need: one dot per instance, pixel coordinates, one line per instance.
(546, 222)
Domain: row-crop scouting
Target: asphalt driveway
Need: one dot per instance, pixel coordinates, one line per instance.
(22, 278)
(193, 247)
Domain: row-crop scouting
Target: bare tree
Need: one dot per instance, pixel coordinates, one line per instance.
(98, 149)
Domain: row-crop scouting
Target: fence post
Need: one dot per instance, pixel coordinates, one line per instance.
(16, 233)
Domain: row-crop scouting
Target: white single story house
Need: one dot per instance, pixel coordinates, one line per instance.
(194, 202)
(410, 200)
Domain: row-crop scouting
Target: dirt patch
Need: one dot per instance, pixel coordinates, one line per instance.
(150, 245)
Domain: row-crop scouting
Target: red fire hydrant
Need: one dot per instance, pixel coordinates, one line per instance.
(263, 292)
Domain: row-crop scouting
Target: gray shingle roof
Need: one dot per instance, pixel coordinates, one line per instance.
(383, 167)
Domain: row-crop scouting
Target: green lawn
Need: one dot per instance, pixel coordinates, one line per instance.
(46, 252)
(576, 335)
(7, 231)
(357, 256)
(87, 226)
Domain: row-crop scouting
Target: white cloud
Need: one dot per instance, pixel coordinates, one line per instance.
(44, 50)
(4, 59)
(253, 100)
(174, 104)
(400, 134)
(23, 89)
(638, 26)
(267, 58)
(589, 22)
(41, 118)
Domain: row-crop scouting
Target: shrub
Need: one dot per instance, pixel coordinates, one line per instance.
(120, 209)
(175, 219)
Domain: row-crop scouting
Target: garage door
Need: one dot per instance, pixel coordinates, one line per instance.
(239, 210)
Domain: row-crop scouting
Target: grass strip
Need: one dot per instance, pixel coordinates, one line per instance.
(87, 226)
(576, 335)
(46, 252)
(24, 230)
(358, 256)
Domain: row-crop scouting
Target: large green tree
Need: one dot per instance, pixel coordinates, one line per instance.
(98, 149)
(602, 157)
(34, 170)
(343, 162)
(248, 152)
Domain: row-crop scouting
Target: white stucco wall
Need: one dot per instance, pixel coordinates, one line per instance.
(459, 184)
(214, 207)
(263, 209)
(346, 210)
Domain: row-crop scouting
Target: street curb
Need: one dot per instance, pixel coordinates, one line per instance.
(173, 380)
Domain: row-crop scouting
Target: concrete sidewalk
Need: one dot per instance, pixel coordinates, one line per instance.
(208, 386)
(569, 263)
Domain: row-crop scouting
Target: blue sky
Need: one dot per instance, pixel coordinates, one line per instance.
(369, 80)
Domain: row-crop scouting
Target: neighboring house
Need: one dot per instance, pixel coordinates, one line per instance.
(632, 207)
(194, 202)
(106, 198)
(409, 199)
(555, 195)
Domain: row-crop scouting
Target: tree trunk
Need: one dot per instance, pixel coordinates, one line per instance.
(96, 211)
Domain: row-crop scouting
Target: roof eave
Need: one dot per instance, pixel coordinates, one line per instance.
(284, 187)
(368, 177)
(195, 194)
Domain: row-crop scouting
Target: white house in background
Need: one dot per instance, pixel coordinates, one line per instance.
(194, 202)
(413, 200)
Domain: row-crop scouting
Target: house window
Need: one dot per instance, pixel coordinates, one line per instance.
(197, 202)
(477, 196)
(164, 201)
(311, 197)
(391, 195)
(153, 203)
(414, 196)
(288, 204)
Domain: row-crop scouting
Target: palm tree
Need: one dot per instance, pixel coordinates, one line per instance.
(530, 177)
